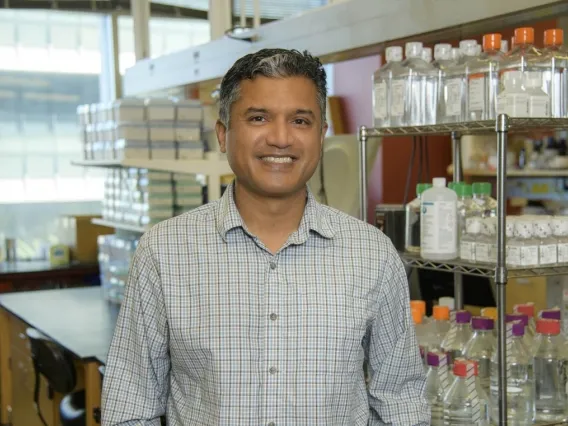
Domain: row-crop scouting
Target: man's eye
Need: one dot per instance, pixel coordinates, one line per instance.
(257, 118)
(301, 122)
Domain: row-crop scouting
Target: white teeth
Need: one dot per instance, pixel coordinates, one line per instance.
(277, 159)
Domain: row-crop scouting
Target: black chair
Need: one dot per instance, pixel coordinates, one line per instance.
(56, 365)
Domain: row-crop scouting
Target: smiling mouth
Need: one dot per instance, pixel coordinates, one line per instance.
(278, 160)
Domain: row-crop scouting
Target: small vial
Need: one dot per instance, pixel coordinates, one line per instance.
(528, 244)
(538, 105)
(560, 224)
(469, 239)
(547, 251)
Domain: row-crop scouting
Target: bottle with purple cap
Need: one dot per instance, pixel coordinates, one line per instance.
(520, 380)
(480, 348)
(528, 339)
(458, 335)
(437, 384)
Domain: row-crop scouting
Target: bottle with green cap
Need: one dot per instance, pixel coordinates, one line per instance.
(412, 227)
(482, 197)
(466, 206)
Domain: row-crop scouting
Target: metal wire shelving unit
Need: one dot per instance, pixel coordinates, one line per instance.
(502, 126)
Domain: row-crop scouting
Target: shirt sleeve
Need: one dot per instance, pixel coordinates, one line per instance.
(135, 386)
(396, 372)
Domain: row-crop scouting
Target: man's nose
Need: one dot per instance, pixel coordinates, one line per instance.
(279, 134)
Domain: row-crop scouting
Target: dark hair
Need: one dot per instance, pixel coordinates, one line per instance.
(273, 63)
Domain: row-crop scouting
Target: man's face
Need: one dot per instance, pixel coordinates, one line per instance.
(275, 136)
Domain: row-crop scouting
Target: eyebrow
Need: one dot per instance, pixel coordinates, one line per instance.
(253, 110)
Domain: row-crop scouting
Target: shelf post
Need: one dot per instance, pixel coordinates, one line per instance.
(502, 128)
(363, 136)
(458, 277)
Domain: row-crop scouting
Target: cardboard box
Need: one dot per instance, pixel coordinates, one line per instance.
(81, 236)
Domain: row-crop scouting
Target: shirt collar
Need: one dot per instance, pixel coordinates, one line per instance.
(315, 218)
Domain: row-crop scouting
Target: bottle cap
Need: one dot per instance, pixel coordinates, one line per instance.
(482, 323)
(464, 44)
(416, 316)
(504, 46)
(420, 305)
(489, 312)
(553, 314)
(433, 358)
(522, 318)
(524, 35)
(518, 329)
(456, 53)
(439, 182)
(473, 225)
(554, 37)
(533, 79)
(413, 49)
(491, 42)
(488, 226)
(443, 52)
(460, 367)
(482, 187)
(471, 50)
(464, 190)
(525, 308)
(447, 301)
(427, 54)
(548, 326)
(441, 313)
(512, 78)
(524, 229)
(463, 317)
(542, 228)
(393, 54)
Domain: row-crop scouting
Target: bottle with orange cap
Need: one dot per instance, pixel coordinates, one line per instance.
(554, 63)
(422, 334)
(440, 325)
(528, 310)
(482, 79)
(466, 402)
(547, 365)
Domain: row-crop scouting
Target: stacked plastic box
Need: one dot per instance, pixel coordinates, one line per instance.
(188, 191)
(115, 256)
(156, 128)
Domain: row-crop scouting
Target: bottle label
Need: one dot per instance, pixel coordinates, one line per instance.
(548, 254)
(513, 104)
(538, 106)
(482, 252)
(397, 98)
(563, 253)
(513, 256)
(529, 255)
(476, 93)
(381, 100)
(438, 227)
(453, 96)
(467, 250)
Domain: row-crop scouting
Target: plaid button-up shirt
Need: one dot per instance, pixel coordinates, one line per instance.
(216, 330)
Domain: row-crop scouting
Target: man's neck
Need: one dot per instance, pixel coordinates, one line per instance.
(272, 220)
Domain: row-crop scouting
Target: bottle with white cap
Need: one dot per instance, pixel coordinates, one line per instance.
(548, 248)
(456, 54)
(438, 222)
(538, 102)
(382, 86)
(560, 225)
(416, 85)
(442, 62)
(427, 54)
(454, 85)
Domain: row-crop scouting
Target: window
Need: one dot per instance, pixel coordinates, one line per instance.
(277, 9)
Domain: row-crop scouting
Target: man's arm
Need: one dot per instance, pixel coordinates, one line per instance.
(397, 378)
(135, 386)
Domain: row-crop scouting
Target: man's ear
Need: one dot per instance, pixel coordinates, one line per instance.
(221, 131)
(323, 133)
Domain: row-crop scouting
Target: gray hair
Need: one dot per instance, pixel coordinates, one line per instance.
(273, 63)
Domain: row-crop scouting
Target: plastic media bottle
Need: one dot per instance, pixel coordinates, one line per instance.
(437, 384)
(528, 310)
(480, 348)
(548, 249)
(560, 225)
(528, 337)
(520, 381)
(454, 85)
(439, 326)
(486, 244)
(412, 211)
(550, 390)
(427, 54)
(456, 54)
(466, 206)
(415, 88)
(469, 239)
(442, 62)
(554, 63)
(466, 402)
(513, 252)
(382, 80)
(538, 102)
(438, 222)
(421, 331)
(523, 56)
(513, 99)
(529, 246)
(482, 196)
(483, 80)
(458, 335)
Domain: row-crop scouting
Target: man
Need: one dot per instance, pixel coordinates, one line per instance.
(261, 308)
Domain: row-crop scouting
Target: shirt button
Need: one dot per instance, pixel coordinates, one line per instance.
(273, 317)
(272, 265)
(273, 370)
(271, 424)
